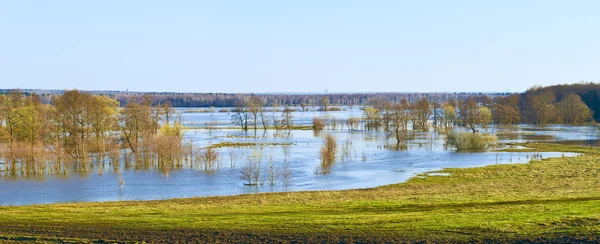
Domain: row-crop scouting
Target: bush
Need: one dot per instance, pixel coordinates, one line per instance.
(470, 141)
(288, 109)
(318, 124)
(328, 151)
(166, 148)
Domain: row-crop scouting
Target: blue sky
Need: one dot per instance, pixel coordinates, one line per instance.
(298, 46)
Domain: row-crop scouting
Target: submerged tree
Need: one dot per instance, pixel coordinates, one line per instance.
(251, 173)
(472, 114)
(255, 107)
(318, 124)
(386, 114)
(240, 117)
(449, 118)
(102, 115)
(421, 115)
(75, 111)
(372, 119)
(286, 119)
(399, 121)
(135, 122)
(9, 113)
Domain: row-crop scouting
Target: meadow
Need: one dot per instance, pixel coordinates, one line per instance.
(553, 199)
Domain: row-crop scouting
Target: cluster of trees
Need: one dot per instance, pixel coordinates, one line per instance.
(251, 112)
(561, 104)
(571, 104)
(397, 118)
(253, 173)
(468, 113)
(81, 125)
(536, 106)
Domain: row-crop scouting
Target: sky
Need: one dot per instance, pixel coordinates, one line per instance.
(298, 46)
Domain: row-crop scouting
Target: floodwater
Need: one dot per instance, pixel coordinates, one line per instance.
(367, 161)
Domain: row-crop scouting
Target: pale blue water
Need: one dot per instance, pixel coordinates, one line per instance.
(370, 163)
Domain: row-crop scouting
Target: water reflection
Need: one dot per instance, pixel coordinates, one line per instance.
(365, 158)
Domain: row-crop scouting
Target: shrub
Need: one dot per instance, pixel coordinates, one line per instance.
(167, 149)
(288, 109)
(328, 151)
(318, 124)
(470, 141)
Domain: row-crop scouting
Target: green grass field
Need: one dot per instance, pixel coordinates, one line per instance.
(549, 200)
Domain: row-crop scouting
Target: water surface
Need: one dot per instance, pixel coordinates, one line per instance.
(369, 162)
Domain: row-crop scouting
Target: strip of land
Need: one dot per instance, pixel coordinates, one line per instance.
(549, 200)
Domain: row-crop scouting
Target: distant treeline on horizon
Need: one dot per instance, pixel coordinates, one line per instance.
(181, 99)
(528, 104)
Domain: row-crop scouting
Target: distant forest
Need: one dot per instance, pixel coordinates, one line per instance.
(231, 99)
(568, 103)
(551, 96)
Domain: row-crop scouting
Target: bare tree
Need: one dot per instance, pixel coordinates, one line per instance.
(135, 122)
(421, 115)
(167, 111)
(240, 117)
(233, 158)
(272, 173)
(285, 175)
(325, 103)
(472, 114)
(255, 108)
(400, 118)
(252, 171)
(286, 119)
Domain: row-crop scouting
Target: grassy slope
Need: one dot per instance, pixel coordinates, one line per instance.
(548, 200)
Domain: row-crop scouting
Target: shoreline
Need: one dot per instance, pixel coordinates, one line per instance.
(540, 201)
(416, 173)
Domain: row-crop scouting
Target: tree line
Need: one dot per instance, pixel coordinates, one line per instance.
(539, 105)
(40, 132)
(571, 104)
(231, 99)
(79, 125)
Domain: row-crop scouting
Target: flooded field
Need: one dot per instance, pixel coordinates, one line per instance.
(289, 161)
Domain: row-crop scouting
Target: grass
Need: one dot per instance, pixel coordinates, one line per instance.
(551, 200)
(247, 144)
